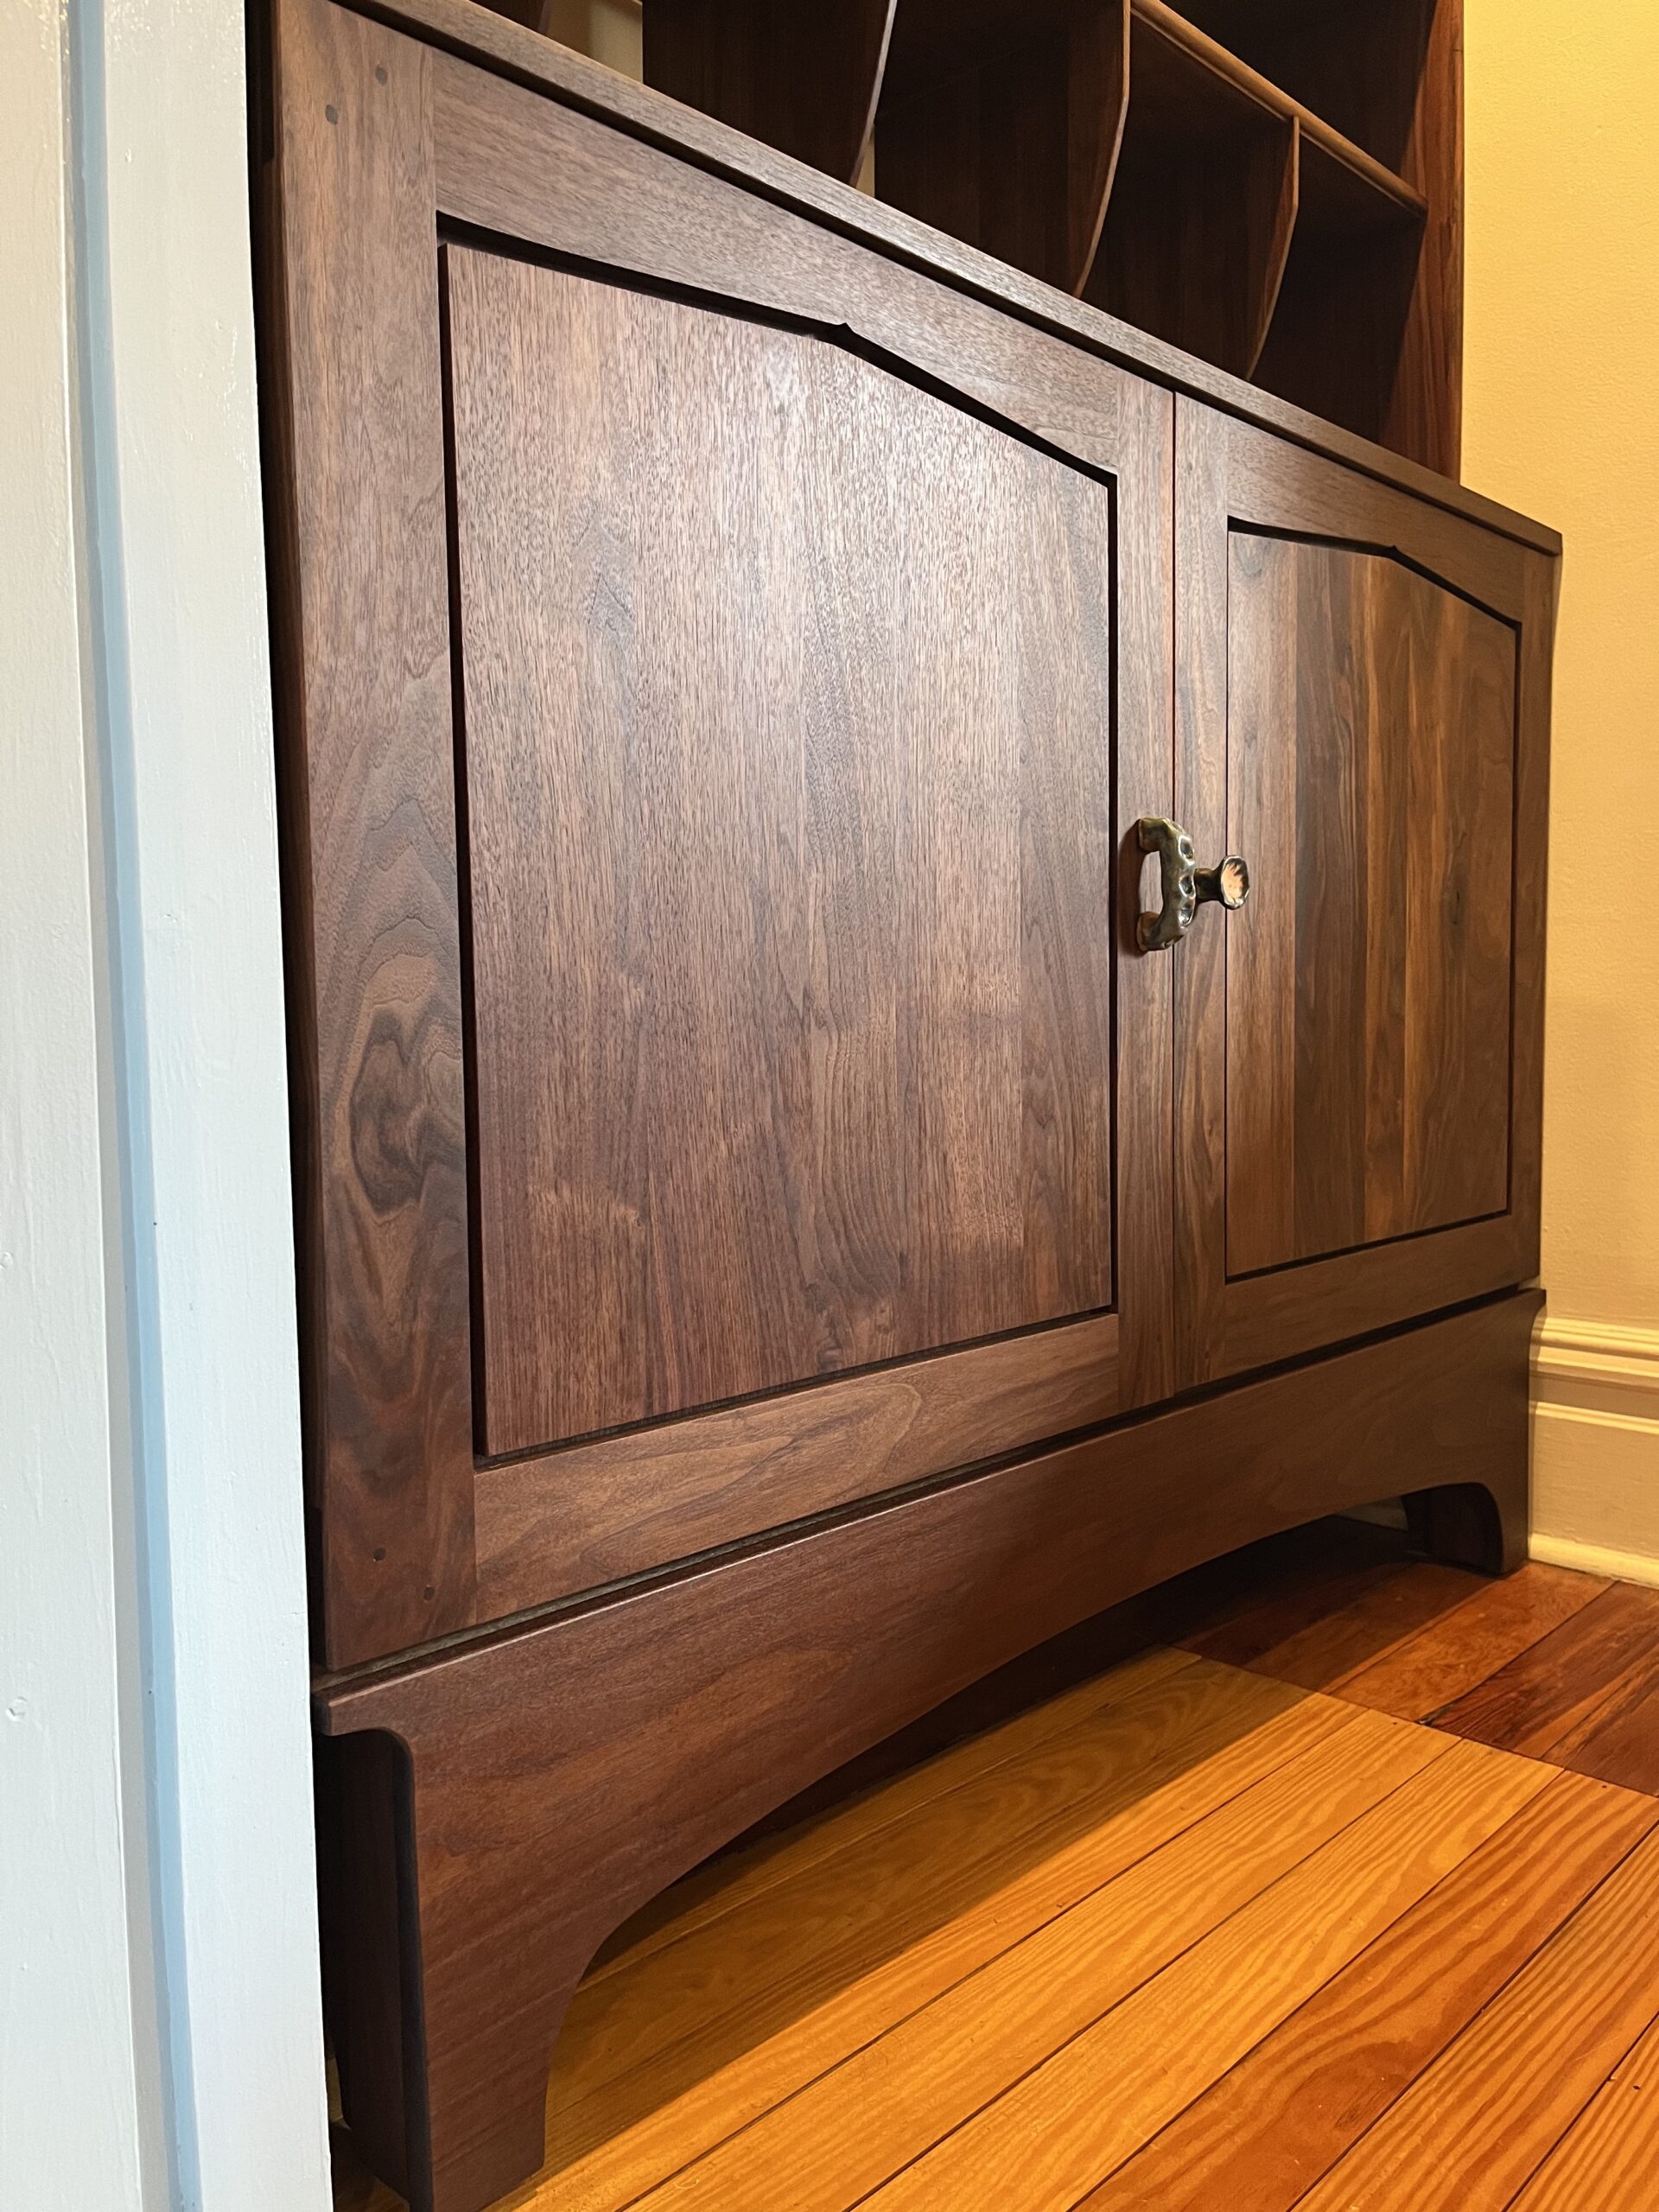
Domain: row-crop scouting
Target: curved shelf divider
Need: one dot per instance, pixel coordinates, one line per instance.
(805, 80)
(1000, 122)
(1198, 228)
(1122, 152)
(1339, 334)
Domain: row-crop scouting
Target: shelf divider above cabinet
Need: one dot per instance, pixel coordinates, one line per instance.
(1274, 185)
(1203, 208)
(805, 80)
(1003, 126)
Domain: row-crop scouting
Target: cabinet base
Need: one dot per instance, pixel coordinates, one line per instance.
(491, 1814)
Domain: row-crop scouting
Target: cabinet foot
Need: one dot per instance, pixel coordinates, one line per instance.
(1485, 1524)
(1480, 1525)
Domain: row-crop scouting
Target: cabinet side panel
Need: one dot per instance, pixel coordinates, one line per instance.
(371, 779)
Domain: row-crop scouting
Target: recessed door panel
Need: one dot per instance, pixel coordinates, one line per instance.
(786, 693)
(1361, 714)
(1370, 780)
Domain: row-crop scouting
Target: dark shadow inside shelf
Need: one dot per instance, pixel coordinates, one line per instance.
(1000, 124)
(1335, 345)
(1200, 222)
(804, 79)
(1359, 65)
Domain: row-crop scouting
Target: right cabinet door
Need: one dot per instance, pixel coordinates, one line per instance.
(1362, 713)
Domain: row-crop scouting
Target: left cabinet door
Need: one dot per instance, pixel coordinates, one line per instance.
(722, 663)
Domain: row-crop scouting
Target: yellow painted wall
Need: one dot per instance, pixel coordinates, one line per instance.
(1562, 420)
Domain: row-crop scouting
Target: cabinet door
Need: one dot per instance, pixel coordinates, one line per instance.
(1362, 702)
(728, 662)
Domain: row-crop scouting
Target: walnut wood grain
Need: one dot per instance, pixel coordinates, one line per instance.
(1371, 734)
(393, 1437)
(1145, 1019)
(527, 167)
(553, 1524)
(373, 926)
(830, 1082)
(804, 79)
(519, 166)
(510, 50)
(562, 1776)
(1378, 999)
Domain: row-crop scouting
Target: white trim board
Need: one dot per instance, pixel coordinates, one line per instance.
(1595, 1448)
(161, 2040)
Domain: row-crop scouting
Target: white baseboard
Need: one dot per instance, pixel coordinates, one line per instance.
(1593, 1559)
(1595, 1441)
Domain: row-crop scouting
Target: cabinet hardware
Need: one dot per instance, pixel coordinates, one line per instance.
(1187, 887)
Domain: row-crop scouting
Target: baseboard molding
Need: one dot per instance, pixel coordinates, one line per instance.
(1596, 1449)
(1592, 1559)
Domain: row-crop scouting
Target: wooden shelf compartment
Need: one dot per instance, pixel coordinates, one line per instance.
(1386, 76)
(1370, 68)
(1000, 123)
(1181, 32)
(1273, 185)
(805, 80)
(1339, 334)
(1198, 226)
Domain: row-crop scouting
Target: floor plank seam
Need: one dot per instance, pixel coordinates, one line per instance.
(1243, 1788)
(1015, 2080)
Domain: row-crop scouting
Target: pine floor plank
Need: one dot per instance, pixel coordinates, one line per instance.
(1572, 1684)
(866, 2116)
(1610, 2157)
(1073, 2120)
(1471, 2132)
(795, 1938)
(1455, 1653)
(1281, 2118)
(725, 1884)
(1137, 1778)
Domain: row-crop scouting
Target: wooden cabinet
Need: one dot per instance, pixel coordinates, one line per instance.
(765, 1219)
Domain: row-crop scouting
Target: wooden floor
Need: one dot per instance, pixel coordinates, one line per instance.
(1344, 1894)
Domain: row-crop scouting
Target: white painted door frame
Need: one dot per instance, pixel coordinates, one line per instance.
(160, 2036)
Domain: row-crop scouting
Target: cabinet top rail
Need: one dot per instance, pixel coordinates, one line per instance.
(476, 34)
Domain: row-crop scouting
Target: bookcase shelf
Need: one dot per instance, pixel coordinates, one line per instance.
(1273, 185)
